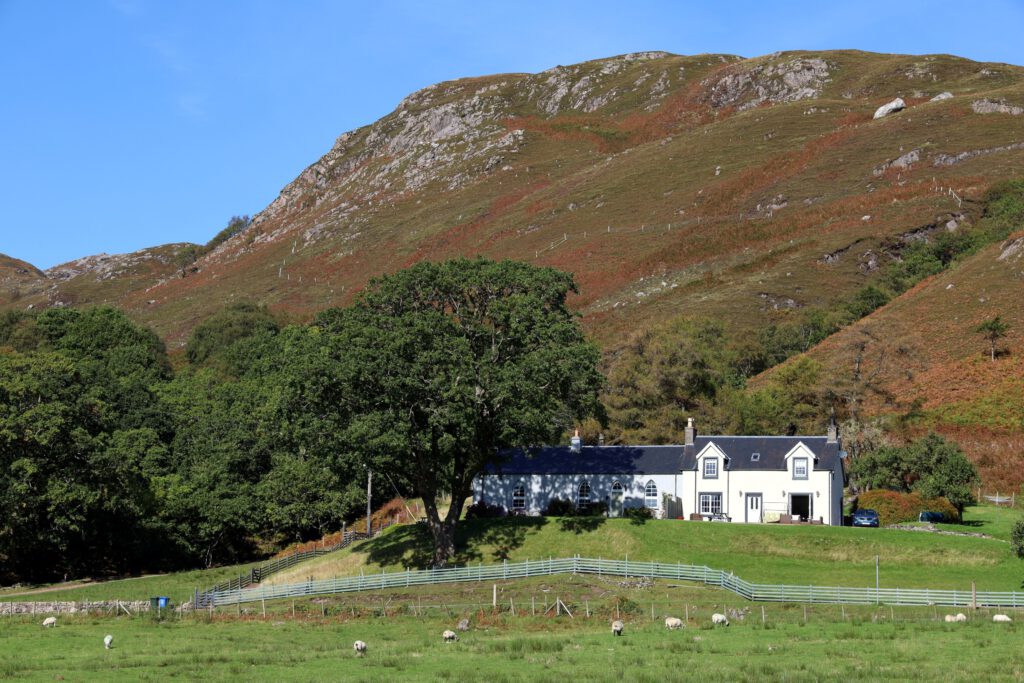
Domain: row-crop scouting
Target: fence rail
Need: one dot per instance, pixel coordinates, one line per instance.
(258, 574)
(655, 570)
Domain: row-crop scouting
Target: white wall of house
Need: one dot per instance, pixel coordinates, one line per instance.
(734, 486)
(541, 489)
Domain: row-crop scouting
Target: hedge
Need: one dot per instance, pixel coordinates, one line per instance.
(894, 507)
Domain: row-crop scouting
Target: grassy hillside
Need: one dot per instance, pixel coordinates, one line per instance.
(707, 186)
(768, 554)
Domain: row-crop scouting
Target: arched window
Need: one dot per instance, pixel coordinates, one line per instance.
(583, 495)
(616, 487)
(519, 497)
(651, 495)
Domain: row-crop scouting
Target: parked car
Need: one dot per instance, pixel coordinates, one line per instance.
(933, 517)
(865, 517)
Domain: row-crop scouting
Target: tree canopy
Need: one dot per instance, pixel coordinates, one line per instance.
(446, 364)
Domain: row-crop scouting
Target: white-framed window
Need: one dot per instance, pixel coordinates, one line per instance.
(519, 497)
(799, 468)
(710, 503)
(617, 488)
(583, 495)
(711, 468)
(651, 495)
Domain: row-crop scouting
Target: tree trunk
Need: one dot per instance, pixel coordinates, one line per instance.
(443, 530)
(993, 350)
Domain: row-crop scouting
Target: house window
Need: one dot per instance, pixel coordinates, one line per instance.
(519, 497)
(799, 468)
(710, 503)
(651, 495)
(711, 468)
(617, 488)
(583, 495)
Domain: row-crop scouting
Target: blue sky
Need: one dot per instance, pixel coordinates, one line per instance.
(132, 123)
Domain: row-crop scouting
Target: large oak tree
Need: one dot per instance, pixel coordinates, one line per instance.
(445, 364)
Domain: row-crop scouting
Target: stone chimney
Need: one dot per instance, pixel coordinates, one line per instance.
(833, 429)
(691, 432)
(600, 439)
(576, 443)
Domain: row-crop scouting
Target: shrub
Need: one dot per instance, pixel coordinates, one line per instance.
(894, 507)
(484, 510)
(559, 507)
(639, 513)
(1017, 538)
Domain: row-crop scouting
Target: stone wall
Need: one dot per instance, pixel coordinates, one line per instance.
(58, 607)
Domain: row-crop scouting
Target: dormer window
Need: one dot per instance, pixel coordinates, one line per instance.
(711, 468)
(755, 457)
(799, 468)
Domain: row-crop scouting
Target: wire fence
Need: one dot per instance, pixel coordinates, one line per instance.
(653, 570)
(258, 574)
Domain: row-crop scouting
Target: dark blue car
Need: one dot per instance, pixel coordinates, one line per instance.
(865, 517)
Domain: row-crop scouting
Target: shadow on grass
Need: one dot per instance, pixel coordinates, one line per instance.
(412, 547)
(579, 525)
(503, 535)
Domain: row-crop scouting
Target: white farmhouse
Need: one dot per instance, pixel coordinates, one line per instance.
(751, 479)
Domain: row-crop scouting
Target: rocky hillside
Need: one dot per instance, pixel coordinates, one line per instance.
(708, 185)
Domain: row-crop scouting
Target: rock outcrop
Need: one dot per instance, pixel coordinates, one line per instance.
(987, 106)
(890, 107)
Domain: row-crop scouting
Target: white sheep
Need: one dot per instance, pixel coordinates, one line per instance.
(950, 618)
(672, 623)
(450, 636)
(359, 647)
(108, 642)
(617, 627)
(719, 619)
(49, 622)
(1001, 619)
(961, 616)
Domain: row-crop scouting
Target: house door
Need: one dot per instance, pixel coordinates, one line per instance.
(754, 513)
(800, 506)
(616, 501)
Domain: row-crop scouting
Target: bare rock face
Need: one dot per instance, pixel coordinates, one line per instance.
(987, 106)
(950, 159)
(942, 96)
(797, 79)
(896, 105)
(901, 162)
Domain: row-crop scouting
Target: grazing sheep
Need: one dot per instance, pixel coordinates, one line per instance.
(961, 616)
(719, 619)
(950, 618)
(450, 637)
(672, 623)
(463, 625)
(617, 628)
(359, 647)
(108, 641)
(49, 622)
(1001, 619)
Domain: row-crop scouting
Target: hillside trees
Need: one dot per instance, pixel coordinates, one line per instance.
(931, 466)
(445, 364)
(78, 428)
(993, 330)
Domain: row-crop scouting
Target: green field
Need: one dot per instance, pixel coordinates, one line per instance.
(861, 644)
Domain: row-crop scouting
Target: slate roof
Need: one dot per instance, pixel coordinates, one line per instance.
(665, 459)
(591, 460)
(772, 450)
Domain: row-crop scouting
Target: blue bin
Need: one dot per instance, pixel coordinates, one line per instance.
(163, 602)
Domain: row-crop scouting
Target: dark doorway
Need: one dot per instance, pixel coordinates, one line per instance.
(800, 506)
